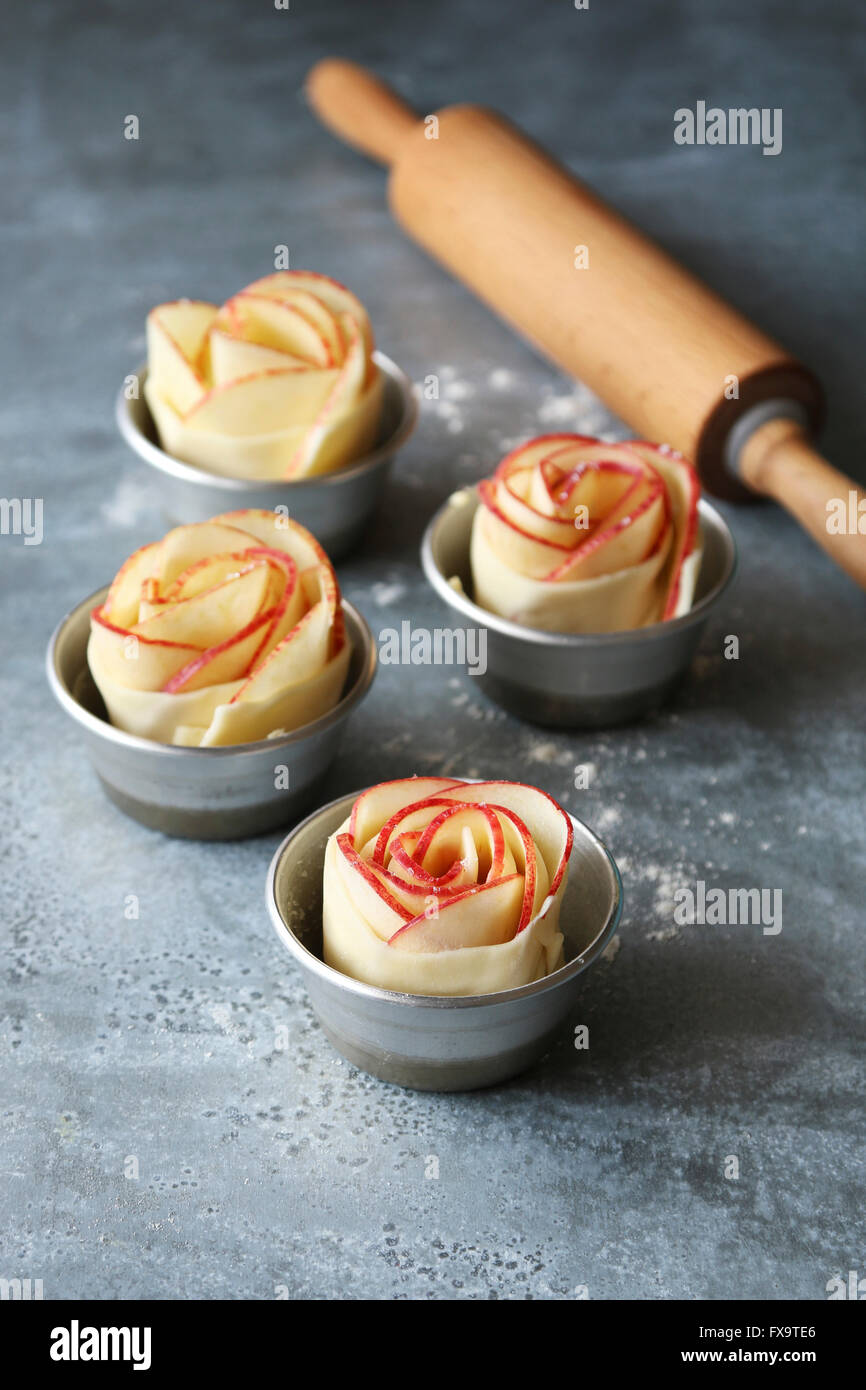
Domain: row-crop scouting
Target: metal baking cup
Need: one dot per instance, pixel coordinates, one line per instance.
(203, 793)
(336, 507)
(434, 1042)
(575, 680)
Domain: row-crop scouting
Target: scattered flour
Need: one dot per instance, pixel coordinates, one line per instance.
(385, 594)
(667, 881)
(451, 413)
(448, 405)
(544, 752)
(666, 934)
(611, 950)
(548, 751)
(125, 507)
(578, 410)
(458, 390)
(396, 743)
(501, 379)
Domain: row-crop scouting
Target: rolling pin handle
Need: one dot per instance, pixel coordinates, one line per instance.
(778, 460)
(748, 424)
(359, 108)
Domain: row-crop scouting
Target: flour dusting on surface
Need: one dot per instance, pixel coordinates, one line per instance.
(608, 818)
(448, 406)
(125, 507)
(664, 934)
(385, 594)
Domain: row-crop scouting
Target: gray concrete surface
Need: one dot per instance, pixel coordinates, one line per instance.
(261, 1169)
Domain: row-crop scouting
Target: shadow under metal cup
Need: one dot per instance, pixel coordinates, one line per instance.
(204, 793)
(336, 507)
(575, 680)
(434, 1042)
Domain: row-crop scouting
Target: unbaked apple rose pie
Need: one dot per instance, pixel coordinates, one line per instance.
(278, 383)
(223, 632)
(574, 535)
(435, 886)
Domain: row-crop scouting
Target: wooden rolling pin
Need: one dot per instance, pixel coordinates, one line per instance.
(605, 303)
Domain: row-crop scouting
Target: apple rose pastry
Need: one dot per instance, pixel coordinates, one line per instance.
(434, 886)
(278, 383)
(223, 632)
(574, 535)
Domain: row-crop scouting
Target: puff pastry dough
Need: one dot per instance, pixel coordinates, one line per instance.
(435, 886)
(278, 383)
(574, 535)
(223, 632)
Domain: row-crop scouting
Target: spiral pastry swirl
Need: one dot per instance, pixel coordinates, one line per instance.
(436, 886)
(223, 632)
(574, 535)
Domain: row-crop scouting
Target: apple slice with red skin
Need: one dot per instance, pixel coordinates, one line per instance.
(345, 392)
(286, 596)
(302, 652)
(545, 526)
(206, 618)
(234, 657)
(534, 451)
(403, 894)
(184, 545)
(404, 866)
(568, 475)
(627, 536)
(597, 484)
(275, 399)
(322, 318)
(633, 526)
(282, 325)
(338, 299)
(408, 817)
(121, 601)
(119, 653)
(224, 662)
(534, 556)
(532, 879)
(287, 613)
(552, 830)
(500, 866)
(278, 532)
(175, 334)
(379, 908)
(380, 803)
(482, 916)
(478, 819)
(684, 491)
(216, 569)
(232, 357)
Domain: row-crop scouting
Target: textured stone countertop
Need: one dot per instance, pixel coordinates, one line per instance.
(155, 1039)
